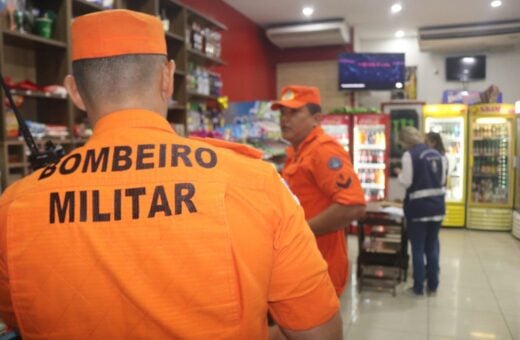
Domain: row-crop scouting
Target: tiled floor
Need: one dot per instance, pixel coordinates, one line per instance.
(478, 295)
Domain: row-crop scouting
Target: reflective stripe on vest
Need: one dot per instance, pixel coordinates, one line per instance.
(426, 193)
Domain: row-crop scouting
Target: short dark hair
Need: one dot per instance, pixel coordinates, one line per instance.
(116, 78)
(313, 108)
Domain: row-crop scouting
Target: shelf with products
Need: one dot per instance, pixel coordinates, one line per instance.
(177, 107)
(193, 14)
(370, 166)
(483, 174)
(172, 15)
(202, 83)
(370, 147)
(376, 186)
(202, 58)
(82, 7)
(34, 60)
(497, 138)
(174, 36)
(45, 60)
(39, 94)
(16, 165)
(197, 95)
(144, 6)
(29, 40)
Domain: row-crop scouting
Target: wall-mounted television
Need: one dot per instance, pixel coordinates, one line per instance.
(371, 71)
(466, 68)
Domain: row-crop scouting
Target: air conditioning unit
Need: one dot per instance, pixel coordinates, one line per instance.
(311, 34)
(470, 37)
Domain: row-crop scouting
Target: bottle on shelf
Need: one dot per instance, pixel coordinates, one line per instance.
(362, 137)
(196, 37)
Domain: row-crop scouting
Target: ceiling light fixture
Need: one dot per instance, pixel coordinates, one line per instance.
(399, 34)
(307, 11)
(396, 8)
(496, 3)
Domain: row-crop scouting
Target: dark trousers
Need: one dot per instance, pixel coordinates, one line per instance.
(424, 238)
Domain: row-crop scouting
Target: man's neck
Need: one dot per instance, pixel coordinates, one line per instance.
(96, 114)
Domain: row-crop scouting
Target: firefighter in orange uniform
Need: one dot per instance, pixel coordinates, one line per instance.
(144, 234)
(320, 174)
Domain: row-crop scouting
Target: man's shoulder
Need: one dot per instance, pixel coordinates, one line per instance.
(238, 148)
(325, 146)
(326, 140)
(242, 164)
(22, 186)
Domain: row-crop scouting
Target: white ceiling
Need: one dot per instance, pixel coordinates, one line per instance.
(372, 18)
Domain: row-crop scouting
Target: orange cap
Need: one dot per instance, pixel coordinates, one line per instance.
(294, 97)
(116, 32)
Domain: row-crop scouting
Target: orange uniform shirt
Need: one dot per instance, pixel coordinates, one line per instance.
(145, 234)
(319, 174)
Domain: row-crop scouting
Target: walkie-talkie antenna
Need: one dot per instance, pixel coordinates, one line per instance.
(37, 158)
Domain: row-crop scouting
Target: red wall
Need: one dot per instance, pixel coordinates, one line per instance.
(250, 73)
(318, 53)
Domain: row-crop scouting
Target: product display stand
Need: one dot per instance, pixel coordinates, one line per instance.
(382, 261)
(41, 56)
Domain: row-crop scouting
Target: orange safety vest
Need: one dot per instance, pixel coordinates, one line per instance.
(144, 234)
(320, 173)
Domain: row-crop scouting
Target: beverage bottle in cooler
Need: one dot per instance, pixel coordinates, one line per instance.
(367, 195)
(362, 137)
(381, 180)
(380, 157)
(361, 174)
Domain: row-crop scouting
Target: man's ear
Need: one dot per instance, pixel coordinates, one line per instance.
(72, 89)
(317, 118)
(167, 82)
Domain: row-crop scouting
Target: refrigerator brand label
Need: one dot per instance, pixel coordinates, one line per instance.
(493, 109)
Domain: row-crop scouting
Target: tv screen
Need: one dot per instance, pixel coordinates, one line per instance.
(466, 68)
(371, 71)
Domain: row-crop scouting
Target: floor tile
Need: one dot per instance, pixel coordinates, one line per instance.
(397, 318)
(463, 278)
(509, 301)
(478, 296)
(513, 323)
(469, 299)
(463, 324)
(373, 333)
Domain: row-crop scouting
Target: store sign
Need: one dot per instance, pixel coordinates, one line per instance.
(493, 109)
(465, 97)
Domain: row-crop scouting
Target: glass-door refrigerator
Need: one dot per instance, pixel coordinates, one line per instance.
(370, 153)
(338, 126)
(516, 212)
(491, 180)
(450, 121)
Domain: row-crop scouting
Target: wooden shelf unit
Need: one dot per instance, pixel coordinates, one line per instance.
(46, 61)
